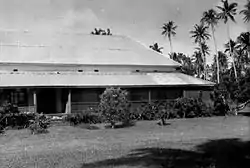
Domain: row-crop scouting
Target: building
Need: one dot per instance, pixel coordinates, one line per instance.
(66, 72)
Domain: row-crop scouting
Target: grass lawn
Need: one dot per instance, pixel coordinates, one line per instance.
(182, 143)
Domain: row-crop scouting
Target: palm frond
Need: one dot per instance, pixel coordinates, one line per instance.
(227, 10)
(246, 12)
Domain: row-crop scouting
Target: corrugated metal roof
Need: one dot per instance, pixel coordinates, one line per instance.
(77, 48)
(28, 79)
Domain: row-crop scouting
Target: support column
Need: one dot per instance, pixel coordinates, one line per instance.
(149, 95)
(184, 94)
(69, 102)
(35, 100)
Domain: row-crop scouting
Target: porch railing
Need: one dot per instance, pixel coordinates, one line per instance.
(78, 107)
(27, 109)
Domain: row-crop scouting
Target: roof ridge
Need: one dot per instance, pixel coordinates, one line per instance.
(147, 48)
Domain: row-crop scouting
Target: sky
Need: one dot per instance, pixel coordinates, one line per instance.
(139, 19)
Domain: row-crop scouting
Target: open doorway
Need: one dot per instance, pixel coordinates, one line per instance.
(46, 101)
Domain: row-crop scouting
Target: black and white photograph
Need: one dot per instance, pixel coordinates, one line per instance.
(124, 83)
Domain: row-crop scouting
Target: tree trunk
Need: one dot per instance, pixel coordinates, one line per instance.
(230, 51)
(217, 55)
(248, 53)
(205, 67)
(171, 46)
(204, 64)
(112, 124)
(163, 121)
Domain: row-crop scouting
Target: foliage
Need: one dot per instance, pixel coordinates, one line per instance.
(101, 32)
(11, 117)
(149, 111)
(210, 18)
(170, 109)
(186, 62)
(246, 12)
(244, 88)
(219, 96)
(89, 116)
(40, 124)
(200, 33)
(169, 30)
(156, 47)
(227, 11)
(191, 107)
(114, 105)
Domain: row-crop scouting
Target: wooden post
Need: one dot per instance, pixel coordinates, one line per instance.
(69, 101)
(35, 100)
(184, 94)
(149, 95)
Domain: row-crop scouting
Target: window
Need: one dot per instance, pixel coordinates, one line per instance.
(18, 97)
(166, 93)
(87, 95)
(139, 95)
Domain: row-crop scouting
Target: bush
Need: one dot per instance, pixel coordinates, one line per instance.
(89, 116)
(40, 124)
(221, 106)
(114, 105)
(192, 107)
(169, 109)
(11, 117)
(149, 111)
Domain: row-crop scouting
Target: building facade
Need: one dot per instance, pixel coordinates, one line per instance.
(66, 73)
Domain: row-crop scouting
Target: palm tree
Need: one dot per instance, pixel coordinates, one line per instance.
(204, 49)
(187, 66)
(241, 60)
(156, 47)
(246, 12)
(200, 35)
(244, 42)
(223, 60)
(210, 18)
(223, 63)
(169, 30)
(227, 12)
(178, 57)
(246, 18)
(198, 62)
(231, 48)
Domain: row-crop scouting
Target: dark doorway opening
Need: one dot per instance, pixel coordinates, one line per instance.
(46, 101)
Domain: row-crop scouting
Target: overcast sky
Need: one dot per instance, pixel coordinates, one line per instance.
(140, 19)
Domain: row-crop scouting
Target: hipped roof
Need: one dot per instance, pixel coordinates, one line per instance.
(77, 48)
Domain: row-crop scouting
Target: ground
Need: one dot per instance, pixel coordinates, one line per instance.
(182, 143)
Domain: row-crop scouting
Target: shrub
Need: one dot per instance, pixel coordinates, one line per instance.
(40, 124)
(114, 105)
(149, 111)
(11, 117)
(167, 109)
(88, 117)
(221, 106)
(192, 107)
